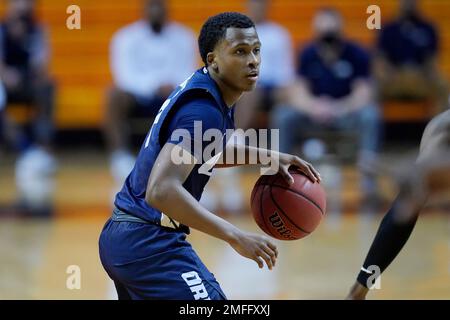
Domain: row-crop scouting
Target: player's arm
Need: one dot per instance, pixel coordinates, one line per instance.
(399, 222)
(165, 192)
(278, 161)
(431, 170)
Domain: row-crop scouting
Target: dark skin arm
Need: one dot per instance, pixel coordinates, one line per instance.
(431, 175)
(165, 192)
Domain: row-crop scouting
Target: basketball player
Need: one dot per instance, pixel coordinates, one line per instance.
(430, 176)
(143, 246)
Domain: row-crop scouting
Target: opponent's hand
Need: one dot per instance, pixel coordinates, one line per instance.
(357, 292)
(255, 247)
(288, 160)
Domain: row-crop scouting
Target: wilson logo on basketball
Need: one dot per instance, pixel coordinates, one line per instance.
(278, 224)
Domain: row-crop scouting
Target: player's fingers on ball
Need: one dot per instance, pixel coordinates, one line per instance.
(309, 171)
(305, 168)
(316, 173)
(286, 175)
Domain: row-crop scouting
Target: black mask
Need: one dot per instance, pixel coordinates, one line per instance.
(330, 39)
(410, 16)
(156, 26)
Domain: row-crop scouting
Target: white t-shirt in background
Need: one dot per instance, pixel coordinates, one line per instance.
(142, 60)
(277, 64)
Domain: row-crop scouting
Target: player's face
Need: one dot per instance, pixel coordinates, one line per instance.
(237, 59)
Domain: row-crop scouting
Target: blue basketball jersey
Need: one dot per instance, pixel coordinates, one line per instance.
(198, 91)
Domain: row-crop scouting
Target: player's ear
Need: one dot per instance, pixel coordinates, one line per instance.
(211, 59)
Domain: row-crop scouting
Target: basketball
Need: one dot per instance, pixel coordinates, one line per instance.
(288, 212)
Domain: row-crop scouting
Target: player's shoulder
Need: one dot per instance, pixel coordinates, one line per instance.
(198, 100)
(198, 105)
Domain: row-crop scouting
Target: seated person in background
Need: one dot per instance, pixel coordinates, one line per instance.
(24, 56)
(148, 59)
(277, 72)
(333, 90)
(405, 63)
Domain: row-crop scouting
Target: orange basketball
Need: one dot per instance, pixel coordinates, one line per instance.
(288, 212)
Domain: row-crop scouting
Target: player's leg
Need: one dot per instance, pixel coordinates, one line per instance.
(122, 291)
(152, 262)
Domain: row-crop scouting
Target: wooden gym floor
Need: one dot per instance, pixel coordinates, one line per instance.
(35, 253)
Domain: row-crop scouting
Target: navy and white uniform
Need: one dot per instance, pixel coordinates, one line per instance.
(143, 250)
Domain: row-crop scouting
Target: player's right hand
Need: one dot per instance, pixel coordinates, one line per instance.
(255, 247)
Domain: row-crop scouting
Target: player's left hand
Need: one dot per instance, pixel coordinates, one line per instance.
(287, 160)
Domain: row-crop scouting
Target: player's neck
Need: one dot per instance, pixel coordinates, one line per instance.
(229, 95)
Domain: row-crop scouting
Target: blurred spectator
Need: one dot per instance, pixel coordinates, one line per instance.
(149, 58)
(24, 56)
(405, 64)
(333, 91)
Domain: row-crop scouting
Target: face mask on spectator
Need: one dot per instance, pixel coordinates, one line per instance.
(330, 39)
(156, 26)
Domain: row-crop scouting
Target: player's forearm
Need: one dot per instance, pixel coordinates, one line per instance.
(176, 202)
(389, 240)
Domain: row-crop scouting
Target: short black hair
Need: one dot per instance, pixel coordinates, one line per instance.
(215, 28)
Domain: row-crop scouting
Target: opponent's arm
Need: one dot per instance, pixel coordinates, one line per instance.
(399, 222)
